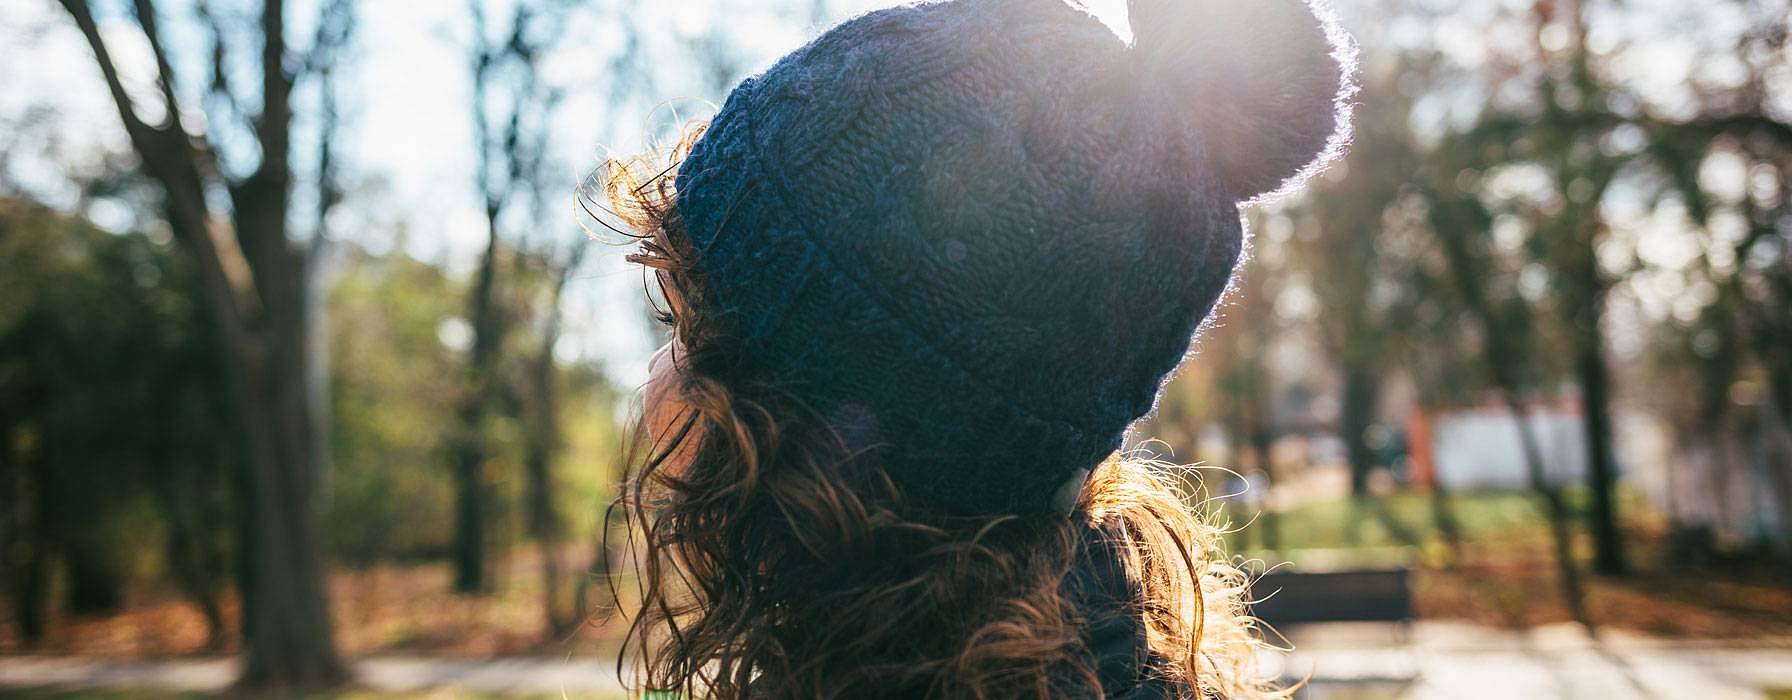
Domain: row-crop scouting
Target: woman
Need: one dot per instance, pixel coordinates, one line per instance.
(921, 276)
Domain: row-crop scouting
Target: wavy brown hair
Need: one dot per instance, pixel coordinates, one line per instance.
(774, 562)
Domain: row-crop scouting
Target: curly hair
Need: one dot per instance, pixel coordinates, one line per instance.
(774, 562)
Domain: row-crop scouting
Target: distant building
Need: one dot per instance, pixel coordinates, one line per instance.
(1481, 448)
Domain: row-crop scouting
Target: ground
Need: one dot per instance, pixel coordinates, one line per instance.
(1489, 608)
(386, 609)
(1357, 661)
(1460, 660)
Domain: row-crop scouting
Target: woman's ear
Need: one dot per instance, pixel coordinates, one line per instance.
(1265, 84)
(1071, 492)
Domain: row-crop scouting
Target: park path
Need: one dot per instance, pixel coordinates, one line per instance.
(573, 678)
(1443, 660)
(1423, 661)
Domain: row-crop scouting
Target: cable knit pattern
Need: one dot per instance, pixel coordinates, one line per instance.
(979, 234)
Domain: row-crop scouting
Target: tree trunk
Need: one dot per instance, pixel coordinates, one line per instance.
(1356, 414)
(1269, 521)
(286, 612)
(1608, 536)
(544, 522)
(286, 620)
(1443, 517)
(92, 585)
(15, 522)
(251, 284)
(541, 447)
(469, 505)
(1355, 417)
(1553, 508)
(31, 586)
(1778, 467)
(1453, 218)
(1779, 452)
(539, 451)
(470, 575)
(31, 595)
(1577, 228)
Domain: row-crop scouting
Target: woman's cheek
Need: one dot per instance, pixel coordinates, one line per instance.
(663, 414)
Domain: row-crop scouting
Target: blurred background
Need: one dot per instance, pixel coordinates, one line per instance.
(313, 368)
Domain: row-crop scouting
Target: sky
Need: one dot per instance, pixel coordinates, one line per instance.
(409, 145)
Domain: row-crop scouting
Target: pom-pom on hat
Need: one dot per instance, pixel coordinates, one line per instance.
(978, 235)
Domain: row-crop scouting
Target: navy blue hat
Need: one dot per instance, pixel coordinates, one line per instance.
(978, 235)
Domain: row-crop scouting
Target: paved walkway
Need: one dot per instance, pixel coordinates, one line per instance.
(1445, 660)
(1360, 662)
(575, 678)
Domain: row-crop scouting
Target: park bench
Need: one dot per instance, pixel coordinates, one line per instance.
(1350, 595)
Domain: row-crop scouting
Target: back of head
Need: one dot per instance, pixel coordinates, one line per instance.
(927, 270)
(985, 231)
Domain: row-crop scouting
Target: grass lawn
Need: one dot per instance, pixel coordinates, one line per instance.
(1493, 521)
(1502, 572)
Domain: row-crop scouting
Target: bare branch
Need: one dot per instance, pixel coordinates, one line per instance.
(220, 86)
(483, 60)
(146, 20)
(169, 157)
(335, 24)
(273, 126)
(127, 110)
(329, 186)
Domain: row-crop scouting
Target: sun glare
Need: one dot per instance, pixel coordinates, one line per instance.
(1111, 13)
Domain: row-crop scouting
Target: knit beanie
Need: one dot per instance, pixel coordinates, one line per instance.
(977, 236)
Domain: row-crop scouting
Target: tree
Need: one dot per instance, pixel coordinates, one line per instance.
(252, 279)
(1230, 383)
(1742, 337)
(1342, 246)
(1461, 225)
(1582, 173)
(511, 109)
(543, 438)
(393, 384)
(1591, 135)
(105, 379)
